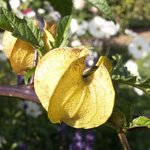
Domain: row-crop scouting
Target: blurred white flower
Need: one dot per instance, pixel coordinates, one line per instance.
(138, 91)
(18, 13)
(28, 13)
(73, 26)
(41, 11)
(76, 43)
(101, 28)
(31, 109)
(94, 10)
(1, 47)
(130, 33)
(110, 29)
(132, 67)
(79, 4)
(55, 15)
(31, 14)
(139, 47)
(82, 28)
(95, 27)
(14, 4)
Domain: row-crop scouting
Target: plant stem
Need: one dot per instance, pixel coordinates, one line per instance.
(35, 61)
(20, 91)
(123, 140)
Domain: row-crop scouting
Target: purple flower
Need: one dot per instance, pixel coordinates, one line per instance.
(62, 129)
(92, 59)
(22, 146)
(89, 140)
(78, 143)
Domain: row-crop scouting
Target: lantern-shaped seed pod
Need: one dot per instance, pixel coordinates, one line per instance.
(21, 53)
(68, 96)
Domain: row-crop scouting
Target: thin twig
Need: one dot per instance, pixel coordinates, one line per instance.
(20, 91)
(123, 140)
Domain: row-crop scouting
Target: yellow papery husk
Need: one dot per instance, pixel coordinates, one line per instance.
(51, 27)
(48, 39)
(22, 57)
(82, 102)
(106, 62)
(51, 68)
(8, 42)
(67, 96)
(21, 53)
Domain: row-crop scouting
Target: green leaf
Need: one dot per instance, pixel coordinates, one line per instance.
(28, 75)
(140, 122)
(119, 70)
(3, 3)
(64, 6)
(120, 74)
(102, 6)
(62, 32)
(21, 28)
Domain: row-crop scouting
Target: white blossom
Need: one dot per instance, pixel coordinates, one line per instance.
(95, 27)
(55, 15)
(14, 4)
(130, 33)
(94, 10)
(73, 26)
(138, 91)
(139, 47)
(110, 29)
(79, 4)
(101, 28)
(82, 28)
(132, 67)
(41, 11)
(31, 109)
(30, 14)
(76, 43)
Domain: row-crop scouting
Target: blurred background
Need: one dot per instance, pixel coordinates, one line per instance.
(25, 126)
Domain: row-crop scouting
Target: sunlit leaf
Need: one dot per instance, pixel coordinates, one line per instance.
(3, 3)
(21, 28)
(62, 32)
(140, 122)
(121, 75)
(102, 6)
(21, 53)
(28, 75)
